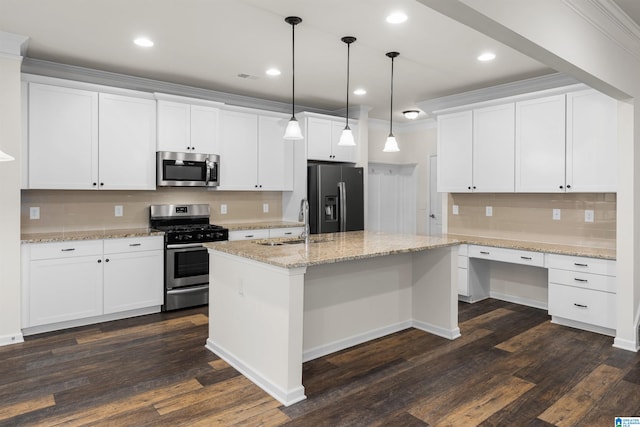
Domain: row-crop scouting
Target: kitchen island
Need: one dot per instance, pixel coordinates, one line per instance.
(276, 303)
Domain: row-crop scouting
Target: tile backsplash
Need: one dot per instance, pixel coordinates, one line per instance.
(95, 210)
(530, 217)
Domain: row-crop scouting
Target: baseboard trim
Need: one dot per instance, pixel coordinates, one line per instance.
(11, 339)
(584, 326)
(520, 300)
(286, 397)
(625, 344)
(451, 334)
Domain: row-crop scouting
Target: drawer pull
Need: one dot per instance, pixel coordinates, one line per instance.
(580, 280)
(249, 235)
(68, 250)
(288, 233)
(579, 305)
(528, 258)
(135, 244)
(580, 265)
(485, 253)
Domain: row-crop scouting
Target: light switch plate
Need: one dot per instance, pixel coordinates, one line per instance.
(223, 209)
(489, 211)
(588, 215)
(34, 212)
(556, 214)
(456, 209)
(265, 207)
(118, 210)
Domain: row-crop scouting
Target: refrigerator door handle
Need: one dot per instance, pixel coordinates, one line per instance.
(342, 188)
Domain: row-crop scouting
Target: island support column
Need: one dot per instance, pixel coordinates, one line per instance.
(256, 322)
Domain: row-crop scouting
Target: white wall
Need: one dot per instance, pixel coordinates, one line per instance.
(10, 143)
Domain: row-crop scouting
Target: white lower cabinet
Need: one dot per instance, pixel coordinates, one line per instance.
(75, 280)
(463, 272)
(265, 233)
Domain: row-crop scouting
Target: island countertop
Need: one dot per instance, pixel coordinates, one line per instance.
(330, 248)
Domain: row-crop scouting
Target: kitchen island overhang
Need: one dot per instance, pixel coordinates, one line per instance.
(273, 307)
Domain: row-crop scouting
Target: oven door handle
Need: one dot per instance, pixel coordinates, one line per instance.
(185, 245)
(187, 290)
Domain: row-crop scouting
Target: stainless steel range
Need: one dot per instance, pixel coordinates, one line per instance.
(186, 261)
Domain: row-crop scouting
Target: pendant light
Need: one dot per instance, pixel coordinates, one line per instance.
(346, 138)
(4, 157)
(391, 145)
(293, 131)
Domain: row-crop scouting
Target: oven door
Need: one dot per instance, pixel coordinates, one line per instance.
(186, 265)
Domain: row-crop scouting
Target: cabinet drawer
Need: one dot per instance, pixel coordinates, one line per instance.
(583, 280)
(248, 234)
(582, 264)
(133, 244)
(583, 305)
(286, 232)
(513, 256)
(463, 261)
(72, 248)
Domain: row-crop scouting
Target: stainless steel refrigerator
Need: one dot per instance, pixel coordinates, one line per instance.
(336, 198)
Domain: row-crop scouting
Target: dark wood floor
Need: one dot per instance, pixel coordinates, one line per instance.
(511, 367)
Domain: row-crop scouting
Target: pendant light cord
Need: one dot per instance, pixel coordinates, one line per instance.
(391, 107)
(293, 69)
(346, 117)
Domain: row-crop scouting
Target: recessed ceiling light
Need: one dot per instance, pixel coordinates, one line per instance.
(397, 18)
(411, 114)
(359, 92)
(487, 56)
(273, 72)
(143, 42)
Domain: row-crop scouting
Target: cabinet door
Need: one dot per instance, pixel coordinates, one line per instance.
(275, 155)
(127, 143)
(133, 280)
(455, 152)
(592, 142)
(341, 154)
(64, 289)
(174, 126)
(238, 151)
(204, 129)
(319, 139)
(540, 145)
(63, 138)
(494, 149)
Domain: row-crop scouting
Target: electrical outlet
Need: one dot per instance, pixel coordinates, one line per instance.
(488, 211)
(456, 209)
(265, 207)
(556, 214)
(588, 215)
(223, 209)
(34, 212)
(118, 210)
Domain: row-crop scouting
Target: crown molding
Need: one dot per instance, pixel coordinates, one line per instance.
(608, 18)
(13, 44)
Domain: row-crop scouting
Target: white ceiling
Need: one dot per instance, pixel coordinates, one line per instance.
(207, 43)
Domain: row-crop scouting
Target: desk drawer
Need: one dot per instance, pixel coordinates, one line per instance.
(582, 264)
(514, 256)
(583, 305)
(583, 280)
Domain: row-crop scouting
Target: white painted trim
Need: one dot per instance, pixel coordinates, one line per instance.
(55, 81)
(90, 320)
(451, 334)
(625, 344)
(519, 300)
(11, 339)
(13, 44)
(286, 397)
(585, 326)
(332, 347)
(187, 100)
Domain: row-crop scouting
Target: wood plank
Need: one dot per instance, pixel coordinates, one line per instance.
(571, 407)
(15, 409)
(219, 364)
(529, 337)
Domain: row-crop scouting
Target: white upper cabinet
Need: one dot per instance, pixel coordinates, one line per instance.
(592, 142)
(80, 140)
(540, 145)
(455, 152)
(323, 135)
(253, 154)
(127, 129)
(187, 127)
(494, 149)
(63, 137)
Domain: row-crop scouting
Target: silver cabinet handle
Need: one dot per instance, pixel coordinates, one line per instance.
(249, 235)
(135, 244)
(68, 250)
(485, 253)
(580, 280)
(580, 265)
(579, 305)
(528, 258)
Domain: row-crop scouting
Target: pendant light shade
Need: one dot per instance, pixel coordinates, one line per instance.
(391, 145)
(293, 131)
(4, 157)
(346, 138)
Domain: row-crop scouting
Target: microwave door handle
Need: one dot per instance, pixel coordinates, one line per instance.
(207, 177)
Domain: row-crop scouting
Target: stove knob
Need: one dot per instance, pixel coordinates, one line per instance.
(199, 236)
(188, 237)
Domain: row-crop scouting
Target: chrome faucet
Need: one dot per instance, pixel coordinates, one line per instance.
(303, 215)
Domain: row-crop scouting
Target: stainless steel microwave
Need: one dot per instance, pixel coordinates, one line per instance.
(187, 169)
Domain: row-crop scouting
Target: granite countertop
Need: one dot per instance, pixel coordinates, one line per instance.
(258, 225)
(88, 235)
(331, 247)
(550, 248)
